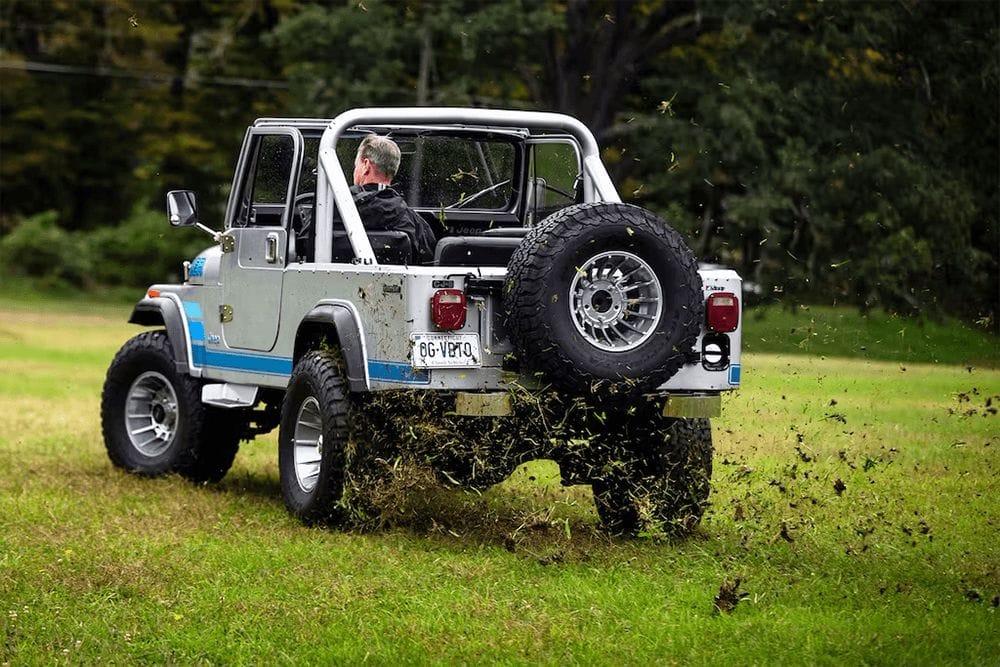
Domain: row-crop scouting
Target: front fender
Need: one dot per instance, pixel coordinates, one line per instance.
(161, 311)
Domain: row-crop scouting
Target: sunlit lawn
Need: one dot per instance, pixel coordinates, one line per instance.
(855, 500)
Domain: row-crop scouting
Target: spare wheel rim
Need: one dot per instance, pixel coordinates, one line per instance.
(616, 301)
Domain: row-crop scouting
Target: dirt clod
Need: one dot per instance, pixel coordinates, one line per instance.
(729, 596)
(551, 559)
(785, 535)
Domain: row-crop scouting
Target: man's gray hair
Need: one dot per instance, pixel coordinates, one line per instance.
(383, 153)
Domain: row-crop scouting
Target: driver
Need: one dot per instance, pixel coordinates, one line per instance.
(381, 207)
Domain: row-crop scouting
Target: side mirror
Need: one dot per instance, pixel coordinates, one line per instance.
(182, 208)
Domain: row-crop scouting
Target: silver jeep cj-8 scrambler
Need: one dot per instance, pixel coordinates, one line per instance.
(554, 322)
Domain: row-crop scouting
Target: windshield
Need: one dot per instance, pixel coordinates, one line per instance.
(448, 172)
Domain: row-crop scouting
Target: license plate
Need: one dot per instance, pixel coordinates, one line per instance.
(435, 350)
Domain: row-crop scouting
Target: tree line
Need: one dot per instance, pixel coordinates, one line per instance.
(830, 151)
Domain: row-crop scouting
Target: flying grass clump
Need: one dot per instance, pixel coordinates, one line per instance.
(650, 474)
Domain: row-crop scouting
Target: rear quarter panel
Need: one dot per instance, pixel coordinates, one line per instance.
(693, 377)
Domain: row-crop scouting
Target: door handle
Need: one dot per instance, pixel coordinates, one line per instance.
(271, 248)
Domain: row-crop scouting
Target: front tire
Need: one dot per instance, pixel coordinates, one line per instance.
(153, 420)
(313, 439)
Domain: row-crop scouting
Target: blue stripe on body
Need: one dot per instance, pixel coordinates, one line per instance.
(734, 374)
(234, 361)
(392, 371)
(198, 355)
(192, 309)
(197, 330)
(384, 371)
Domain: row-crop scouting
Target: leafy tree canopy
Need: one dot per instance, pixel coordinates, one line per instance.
(842, 151)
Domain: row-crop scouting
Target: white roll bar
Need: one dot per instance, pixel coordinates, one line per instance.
(332, 186)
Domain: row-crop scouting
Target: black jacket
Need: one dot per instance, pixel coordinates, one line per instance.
(385, 209)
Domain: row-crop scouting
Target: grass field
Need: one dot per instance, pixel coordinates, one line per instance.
(842, 332)
(854, 500)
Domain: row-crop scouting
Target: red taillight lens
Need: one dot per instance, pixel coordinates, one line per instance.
(448, 309)
(723, 311)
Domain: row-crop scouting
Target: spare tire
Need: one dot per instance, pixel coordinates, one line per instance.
(603, 297)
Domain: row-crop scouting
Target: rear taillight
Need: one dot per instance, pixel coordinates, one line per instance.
(448, 309)
(723, 310)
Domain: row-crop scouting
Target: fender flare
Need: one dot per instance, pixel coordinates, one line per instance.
(161, 311)
(343, 319)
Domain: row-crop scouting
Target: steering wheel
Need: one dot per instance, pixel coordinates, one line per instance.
(303, 212)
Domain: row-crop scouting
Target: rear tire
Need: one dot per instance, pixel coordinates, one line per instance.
(313, 439)
(153, 420)
(658, 481)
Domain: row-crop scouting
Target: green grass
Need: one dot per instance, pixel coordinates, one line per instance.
(901, 566)
(842, 332)
(22, 294)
